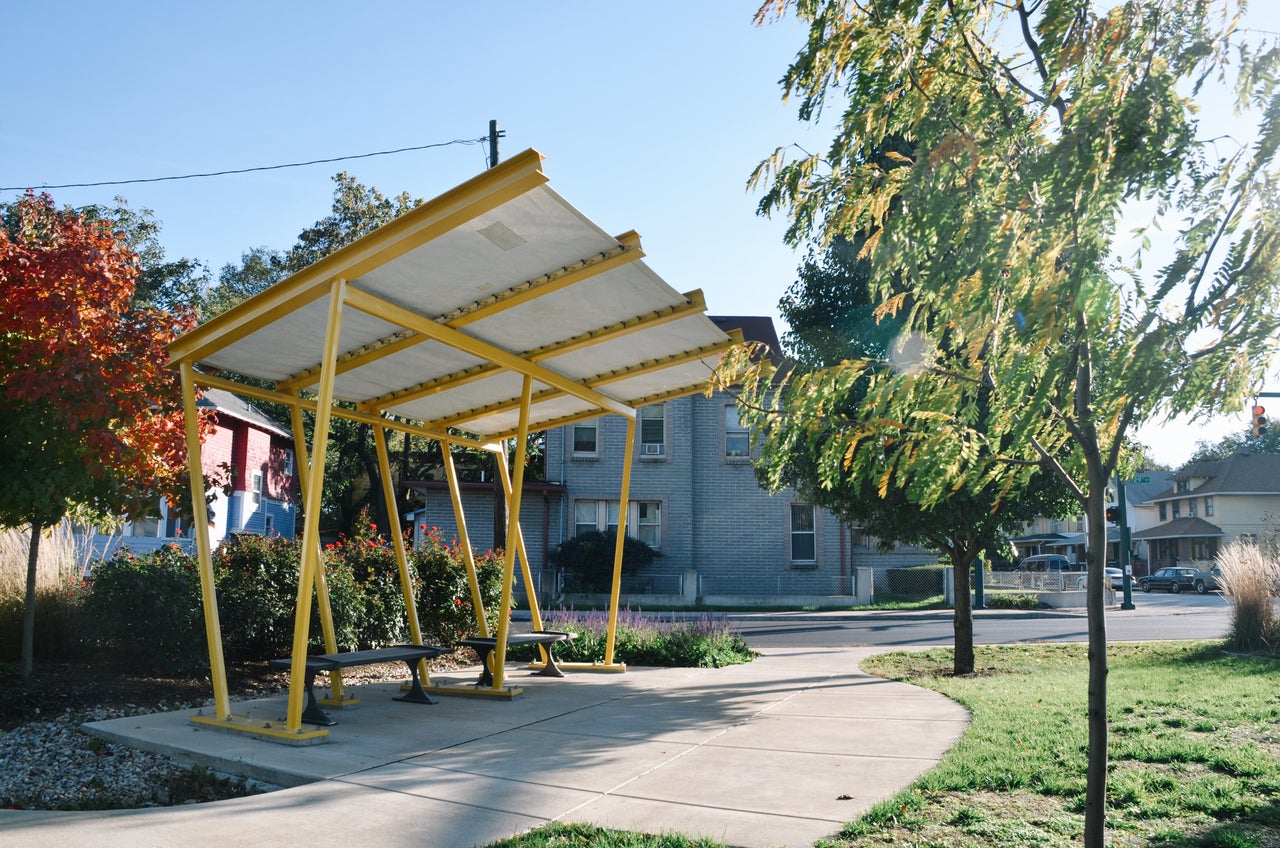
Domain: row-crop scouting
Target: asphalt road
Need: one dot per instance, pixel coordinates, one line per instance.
(1156, 616)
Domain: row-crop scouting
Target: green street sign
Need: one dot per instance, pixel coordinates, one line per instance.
(1142, 479)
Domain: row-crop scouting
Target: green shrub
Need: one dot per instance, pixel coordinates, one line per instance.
(148, 607)
(374, 615)
(61, 622)
(257, 579)
(1012, 600)
(587, 560)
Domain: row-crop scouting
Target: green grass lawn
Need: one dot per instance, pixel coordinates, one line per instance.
(1195, 754)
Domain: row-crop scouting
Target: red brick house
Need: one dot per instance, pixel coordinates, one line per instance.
(256, 459)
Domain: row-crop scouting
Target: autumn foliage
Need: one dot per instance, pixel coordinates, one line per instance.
(90, 413)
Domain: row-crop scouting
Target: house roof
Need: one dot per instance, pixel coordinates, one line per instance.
(441, 314)
(1138, 493)
(1241, 474)
(1180, 528)
(227, 403)
(754, 328)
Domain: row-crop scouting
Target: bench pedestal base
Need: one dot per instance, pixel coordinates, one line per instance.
(272, 731)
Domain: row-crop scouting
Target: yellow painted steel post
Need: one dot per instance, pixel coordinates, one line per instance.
(534, 613)
(397, 542)
(468, 557)
(616, 590)
(204, 555)
(513, 521)
(311, 526)
(328, 631)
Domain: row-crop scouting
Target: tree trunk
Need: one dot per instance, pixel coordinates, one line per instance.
(29, 604)
(1095, 805)
(963, 623)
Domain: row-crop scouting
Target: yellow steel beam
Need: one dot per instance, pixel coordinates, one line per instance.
(410, 320)
(615, 589)
(464, 540)
(483, 193)
(204, 556)
(370, 418)
(534, 612)
(513, 522)
(693, 306)
(617, 375)
(628, 250)
(327, 630)
(311, 524)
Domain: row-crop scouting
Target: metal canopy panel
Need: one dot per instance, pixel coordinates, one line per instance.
(449, 306)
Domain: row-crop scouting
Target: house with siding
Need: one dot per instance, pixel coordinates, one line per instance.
(694, 498)
(1210, 504)
(254, 456)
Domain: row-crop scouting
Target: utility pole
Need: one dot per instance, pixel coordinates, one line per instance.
(494, 135)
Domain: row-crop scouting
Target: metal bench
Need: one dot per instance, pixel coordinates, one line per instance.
(316, 663)
(484, 646)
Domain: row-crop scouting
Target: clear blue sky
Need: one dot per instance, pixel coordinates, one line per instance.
(651, 116)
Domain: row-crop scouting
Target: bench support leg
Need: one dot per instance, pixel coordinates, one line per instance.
(416, 694)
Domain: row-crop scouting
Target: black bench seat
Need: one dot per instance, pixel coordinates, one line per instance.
(411, 655)
(484, 646)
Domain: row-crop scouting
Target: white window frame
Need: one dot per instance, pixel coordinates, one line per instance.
(594, 426)
(288, 462)
(735, 432)
(255, 487)
(606, 518)
(810, 533)
(648, 415)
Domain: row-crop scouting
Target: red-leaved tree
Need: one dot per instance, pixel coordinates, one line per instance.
(90, 413)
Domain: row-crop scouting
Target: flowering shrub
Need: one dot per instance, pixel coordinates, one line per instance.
(375, 614)
(443, 595)
(702, 642)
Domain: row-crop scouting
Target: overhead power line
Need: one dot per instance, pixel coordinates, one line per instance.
(482, 140)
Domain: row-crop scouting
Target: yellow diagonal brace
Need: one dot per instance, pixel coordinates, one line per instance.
(513, 520)
(311, 525)
(204, 556)
(411, 320)
(464, 540)
(615, 589)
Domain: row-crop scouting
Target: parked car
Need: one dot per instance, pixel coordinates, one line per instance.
(1051, 563)
(1173, 578)
(1208, 581)
(1115, 577)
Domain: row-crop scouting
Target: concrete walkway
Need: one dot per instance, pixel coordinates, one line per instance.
(779, 752)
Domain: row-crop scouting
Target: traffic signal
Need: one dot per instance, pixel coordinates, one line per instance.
(1113, 515)
(1259, 421)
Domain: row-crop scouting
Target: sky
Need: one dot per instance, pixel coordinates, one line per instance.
(651, 117)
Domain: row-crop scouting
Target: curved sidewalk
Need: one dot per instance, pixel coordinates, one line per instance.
(779, 752)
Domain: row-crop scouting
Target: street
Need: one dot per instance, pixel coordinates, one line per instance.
(1156, 616)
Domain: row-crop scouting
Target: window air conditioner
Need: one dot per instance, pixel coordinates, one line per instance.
(652, 449)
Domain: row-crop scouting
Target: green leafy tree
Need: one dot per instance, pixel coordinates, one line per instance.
(1035, 335)
(829, 313)
(1232, 444)
(91, 419)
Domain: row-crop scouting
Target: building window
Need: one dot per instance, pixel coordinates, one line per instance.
(255, 488)
(1191, 507)
(584, 439)
(1164, 514)
(804, 542)
(653, 436)
(1177, 510)
(288, 463)
(1183, 486)
(644, 519)
(268, 525)
(1208, 505)
(737, 442)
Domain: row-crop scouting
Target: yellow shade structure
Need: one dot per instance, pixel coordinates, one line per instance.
(494, 310)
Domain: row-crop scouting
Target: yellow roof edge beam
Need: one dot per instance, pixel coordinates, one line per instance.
(482, 193)
(273, 396)
(410, 320)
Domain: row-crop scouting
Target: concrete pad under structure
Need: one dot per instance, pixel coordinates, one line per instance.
(778, 752)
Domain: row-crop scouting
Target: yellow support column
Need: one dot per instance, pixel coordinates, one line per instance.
(204, 555)
(464, 540)
(513, 520)
(397, 542)
(534, 612)
(328, 631)
(616, 589)
(311, 526)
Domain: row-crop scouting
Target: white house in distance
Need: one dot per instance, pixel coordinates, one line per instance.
(1209, 504)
